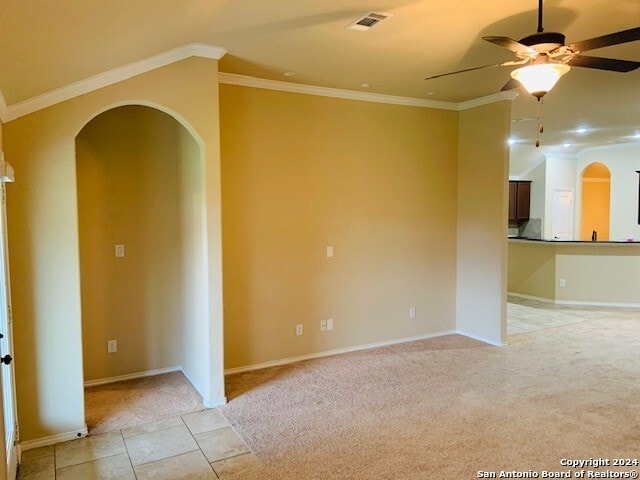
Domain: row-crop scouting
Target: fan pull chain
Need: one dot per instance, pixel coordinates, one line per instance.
(540, 125)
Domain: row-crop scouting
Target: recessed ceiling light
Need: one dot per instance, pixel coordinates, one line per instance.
(566, 145)
(511, 141)
(288, 74)
(582, 130)
(637, 135)
(431, 93)
(364, 85)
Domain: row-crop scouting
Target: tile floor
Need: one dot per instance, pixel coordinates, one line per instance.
(524, 315)
(197, 446)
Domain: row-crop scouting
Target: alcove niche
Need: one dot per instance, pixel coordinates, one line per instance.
(142, 246)
(596, 200)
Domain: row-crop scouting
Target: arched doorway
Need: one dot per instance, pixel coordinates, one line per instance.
(595, 208)
(142, 255)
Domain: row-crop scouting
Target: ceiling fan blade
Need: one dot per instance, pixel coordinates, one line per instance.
(511, 44)
(465, 70)
(510, 85)
(616, 38)
(611, 64)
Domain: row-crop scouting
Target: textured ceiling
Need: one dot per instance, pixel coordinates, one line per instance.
(47, 45)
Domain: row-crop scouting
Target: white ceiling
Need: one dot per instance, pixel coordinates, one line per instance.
(47, 45)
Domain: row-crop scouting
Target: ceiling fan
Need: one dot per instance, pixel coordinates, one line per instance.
(545, 57)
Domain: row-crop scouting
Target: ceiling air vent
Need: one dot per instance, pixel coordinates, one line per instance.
(368, 20)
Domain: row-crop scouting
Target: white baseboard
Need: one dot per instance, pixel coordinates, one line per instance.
(481, 339)
(215, 403)
(531, 297)
(197, 386)
(578, 303)
(575, 302)
(132, 376)
(329, 353)
(597, 304)
(13, 460)
(53, 439)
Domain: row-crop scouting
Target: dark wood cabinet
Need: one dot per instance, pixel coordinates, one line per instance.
(519, 200)
(513, 198)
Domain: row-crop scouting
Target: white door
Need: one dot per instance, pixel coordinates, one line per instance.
(6, 350)
(562, 215)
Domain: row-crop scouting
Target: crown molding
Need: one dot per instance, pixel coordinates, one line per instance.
(561, 156)
(255, 82)
(101, 80)
(610, 146)
(246, 81)
(595, 148)
(480, 101)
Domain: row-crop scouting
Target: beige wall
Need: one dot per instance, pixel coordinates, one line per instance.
(599, 273)
(139, 178)
(43, 237)
(377, 182)
(483, 166)
(532, 270)
(593, 273)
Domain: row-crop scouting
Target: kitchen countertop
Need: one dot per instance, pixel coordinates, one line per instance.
(570, 242)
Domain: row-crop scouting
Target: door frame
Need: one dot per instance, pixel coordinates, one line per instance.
(11, 436)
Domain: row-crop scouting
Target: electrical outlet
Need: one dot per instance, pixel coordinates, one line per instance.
(323, 325)
(112, 346)
(120, 251)
(563, 282)
(412, 312)
(299, 329)
(330, 324)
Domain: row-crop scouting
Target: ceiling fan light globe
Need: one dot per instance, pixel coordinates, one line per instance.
(539, 79)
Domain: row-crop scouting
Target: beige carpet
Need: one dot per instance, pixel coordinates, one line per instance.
(448, 407)
(134, 402)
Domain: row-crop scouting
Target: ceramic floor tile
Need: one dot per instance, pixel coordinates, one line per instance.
(205, 421)
(237, 464)
(37, 453)
(188, 466)
(88, 449)
(220, 444)
(154, 446)
(110, 468)
(152, 427)
(37, 468)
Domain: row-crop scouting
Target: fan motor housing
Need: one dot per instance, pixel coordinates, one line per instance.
(544, 41)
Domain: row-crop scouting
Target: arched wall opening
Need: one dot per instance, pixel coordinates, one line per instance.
(596, 200)
(140, 185)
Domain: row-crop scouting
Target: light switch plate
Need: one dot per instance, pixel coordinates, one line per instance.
(329, 251)
(119, 250)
